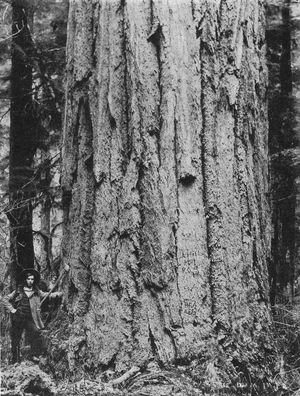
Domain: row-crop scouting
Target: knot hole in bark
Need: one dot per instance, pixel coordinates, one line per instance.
(187, 178)
(155, 34)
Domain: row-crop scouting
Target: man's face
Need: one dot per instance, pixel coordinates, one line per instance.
(30, 280)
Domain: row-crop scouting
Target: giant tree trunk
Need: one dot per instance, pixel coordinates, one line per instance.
(165, 171)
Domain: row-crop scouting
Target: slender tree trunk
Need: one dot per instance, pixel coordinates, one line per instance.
(22, 144)
(45, 239)
(165, 180)
(282, 143)
(295, 59)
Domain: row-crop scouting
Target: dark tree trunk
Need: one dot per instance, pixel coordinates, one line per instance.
(165, 180)
(282, 143)
(22, 144)
(295, 62)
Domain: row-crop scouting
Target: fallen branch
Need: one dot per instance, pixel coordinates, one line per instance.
(130, 373)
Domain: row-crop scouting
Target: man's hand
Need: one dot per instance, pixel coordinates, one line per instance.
(13, 311)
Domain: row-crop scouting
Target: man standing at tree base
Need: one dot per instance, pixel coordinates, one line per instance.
(24, 303)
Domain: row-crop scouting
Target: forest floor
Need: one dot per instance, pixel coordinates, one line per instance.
(28, 379)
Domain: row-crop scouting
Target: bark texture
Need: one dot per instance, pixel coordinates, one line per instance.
(165, 165)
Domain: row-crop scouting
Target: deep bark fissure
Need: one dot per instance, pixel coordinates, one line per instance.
(128, 139)
(193, 11)
(142, 206)
(156, 38)
(112, 121)
(176, 220)
(75, 143)
(82, 277)
(244, 199)
(213, 214)
(203, 167)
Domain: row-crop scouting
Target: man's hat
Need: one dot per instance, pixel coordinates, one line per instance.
(30, 271)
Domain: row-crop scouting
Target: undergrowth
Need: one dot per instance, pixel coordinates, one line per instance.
(287, 333)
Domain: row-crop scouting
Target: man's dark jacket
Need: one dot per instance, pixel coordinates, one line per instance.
(11, 302)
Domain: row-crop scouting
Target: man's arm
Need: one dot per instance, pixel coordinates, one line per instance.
(6, 301)
(51, 295)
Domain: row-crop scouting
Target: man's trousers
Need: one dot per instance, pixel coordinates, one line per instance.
(33, 336)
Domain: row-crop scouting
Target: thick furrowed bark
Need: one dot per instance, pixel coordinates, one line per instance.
(167, 216)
